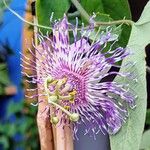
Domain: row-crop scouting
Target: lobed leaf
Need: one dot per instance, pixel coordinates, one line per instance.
(129, 137)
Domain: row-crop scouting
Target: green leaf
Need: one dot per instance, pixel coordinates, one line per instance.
(97, 6)
(109, 7)
(4, 141)
(1, 90)
(14, 107)
(4, 79)
(8, 129)
(2, 66)
(116, 9)
(145, 144)
(44, 9)
(129, 137)
(11, 129)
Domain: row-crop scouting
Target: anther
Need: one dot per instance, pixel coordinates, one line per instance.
(61, 82)
(67, 107)
(72, 95)
(54, 120)
(67, 88)
(53, 98)
(49, 79)
(74, 117)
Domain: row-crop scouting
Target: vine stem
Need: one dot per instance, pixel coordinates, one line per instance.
(82, 12)
(74, 14)
(87, 17)
(124, 21)
(21, 18)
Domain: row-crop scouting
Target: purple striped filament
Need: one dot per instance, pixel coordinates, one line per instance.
(72, 76)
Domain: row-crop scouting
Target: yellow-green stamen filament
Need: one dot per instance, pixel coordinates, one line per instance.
(55, 97)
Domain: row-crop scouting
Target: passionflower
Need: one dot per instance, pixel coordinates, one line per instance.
(74, 78)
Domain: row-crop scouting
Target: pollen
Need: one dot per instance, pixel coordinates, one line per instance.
(72, 95)
(67, 107)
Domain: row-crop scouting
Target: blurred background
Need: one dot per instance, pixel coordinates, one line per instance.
(18, 130)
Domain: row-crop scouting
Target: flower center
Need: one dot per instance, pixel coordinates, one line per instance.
(56, 97)
(77, 82)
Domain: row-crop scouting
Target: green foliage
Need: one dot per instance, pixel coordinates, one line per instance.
(108, 7)
(44, 9)
(130, 135)
(4, 142)
(106, 11)
(11, 109)
(114, 13)
(4, 78)
(4, 74)
(24, 125)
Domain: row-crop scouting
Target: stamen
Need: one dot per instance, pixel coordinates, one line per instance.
(96, 35)
(51, 17)
(54, 98)
(54, 120)
(66, 88)
(72, 95)
(60, 83)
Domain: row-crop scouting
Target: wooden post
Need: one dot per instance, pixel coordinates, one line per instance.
(51, 136)
(44, 126)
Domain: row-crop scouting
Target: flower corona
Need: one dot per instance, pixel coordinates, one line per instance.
(74, 78)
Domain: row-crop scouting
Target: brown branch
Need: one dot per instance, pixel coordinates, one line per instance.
(43, 122)
(43, 119)
(44, 126)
